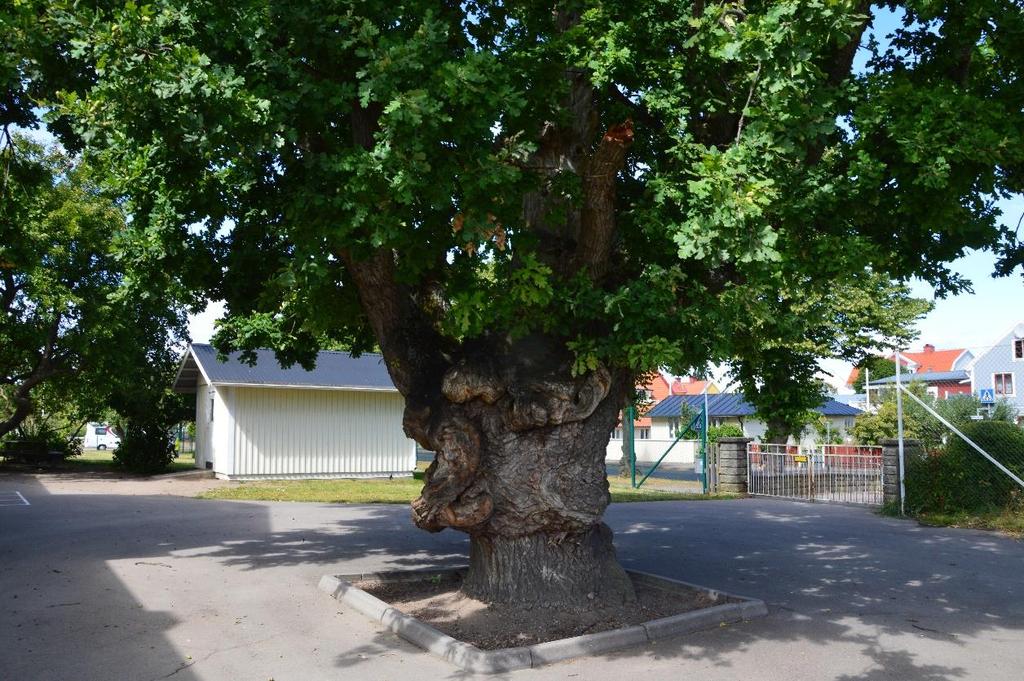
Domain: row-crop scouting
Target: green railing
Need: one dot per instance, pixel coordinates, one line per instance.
(697, 424)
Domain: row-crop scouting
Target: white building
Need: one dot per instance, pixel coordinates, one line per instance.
(723, 408)
(343, 419)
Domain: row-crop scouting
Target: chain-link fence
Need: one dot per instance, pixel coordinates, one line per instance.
(963, 459)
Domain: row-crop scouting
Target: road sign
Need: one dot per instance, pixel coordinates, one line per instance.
(987, 395)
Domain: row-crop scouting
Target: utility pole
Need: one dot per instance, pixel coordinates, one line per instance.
(899, 431)
(867, 389)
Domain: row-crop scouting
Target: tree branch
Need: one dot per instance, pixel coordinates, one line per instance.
(45, 368)
(410, 344)
(841, 62)
(839, 66)
(10, 290)
(597, 218)
(640, 112)
(750, 96)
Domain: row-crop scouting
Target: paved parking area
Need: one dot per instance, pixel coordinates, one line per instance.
(13, 498)
(107, 586)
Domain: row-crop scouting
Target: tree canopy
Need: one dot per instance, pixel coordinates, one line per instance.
(876, 368)
(777, 365)
(751, 144)
(72, 319)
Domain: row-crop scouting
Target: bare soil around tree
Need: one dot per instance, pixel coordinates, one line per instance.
(440, 603)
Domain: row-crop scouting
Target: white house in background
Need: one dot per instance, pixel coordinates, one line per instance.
(343, 419)
(998, 373)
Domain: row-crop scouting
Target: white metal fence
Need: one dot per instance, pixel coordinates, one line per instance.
(848, 474)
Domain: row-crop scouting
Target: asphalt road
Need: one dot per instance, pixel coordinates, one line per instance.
(111, 586)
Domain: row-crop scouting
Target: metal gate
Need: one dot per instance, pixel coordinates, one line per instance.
(846, 474)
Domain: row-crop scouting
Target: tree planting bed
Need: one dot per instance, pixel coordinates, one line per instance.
(428, 609)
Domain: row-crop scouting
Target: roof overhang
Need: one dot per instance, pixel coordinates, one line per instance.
(187, 379)
(301, 386)
(958, 358)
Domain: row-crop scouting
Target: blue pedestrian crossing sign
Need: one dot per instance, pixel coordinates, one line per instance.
(987, 395)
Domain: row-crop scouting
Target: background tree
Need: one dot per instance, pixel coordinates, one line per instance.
(72, 319)
(526, 206)
(800, 324)
(875, 366)
(960, 410)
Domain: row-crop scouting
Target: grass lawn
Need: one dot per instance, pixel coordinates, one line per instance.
(1010, 522)
(97, 460)
(396, 491)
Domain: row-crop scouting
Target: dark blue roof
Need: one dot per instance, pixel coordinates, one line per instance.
(927, 377)
(722, 404)
(725, 405)
(332, 370)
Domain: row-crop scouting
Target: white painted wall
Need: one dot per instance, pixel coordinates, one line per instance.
(204, 429)
(301, 433)
(648, 451)
(223, 430)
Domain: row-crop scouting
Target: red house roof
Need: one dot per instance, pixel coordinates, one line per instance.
(928, 360)
(931, 360)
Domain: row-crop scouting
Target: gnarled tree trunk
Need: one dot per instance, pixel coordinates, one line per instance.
(520, 466)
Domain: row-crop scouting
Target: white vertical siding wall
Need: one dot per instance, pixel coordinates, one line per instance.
(287, 433)
(223, 427)
(649, 451)
(204, 432)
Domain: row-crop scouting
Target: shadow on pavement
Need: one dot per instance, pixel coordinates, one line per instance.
(66, 614)
(867, 598)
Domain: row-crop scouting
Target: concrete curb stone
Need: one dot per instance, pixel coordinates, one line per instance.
(470, 658)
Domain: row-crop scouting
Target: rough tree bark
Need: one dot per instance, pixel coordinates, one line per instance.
(520, 467)
(519, 451)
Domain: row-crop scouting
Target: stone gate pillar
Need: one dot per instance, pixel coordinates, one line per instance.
(891, 466)
(732, 464)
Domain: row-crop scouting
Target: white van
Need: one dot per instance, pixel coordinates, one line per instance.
(100, 436)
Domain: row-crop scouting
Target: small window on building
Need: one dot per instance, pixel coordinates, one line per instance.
(211, 408)
(643, 433)
(617, 434)
(673, 427)
(1018, 349)
(1003, 384)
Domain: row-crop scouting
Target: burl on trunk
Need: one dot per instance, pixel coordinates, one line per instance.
(519, 466)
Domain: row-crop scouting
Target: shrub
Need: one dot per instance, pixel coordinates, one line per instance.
(725, 430)
(957, 478)
(146, 449)
(35, 439)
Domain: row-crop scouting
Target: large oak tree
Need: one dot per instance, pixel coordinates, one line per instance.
(527, 204)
